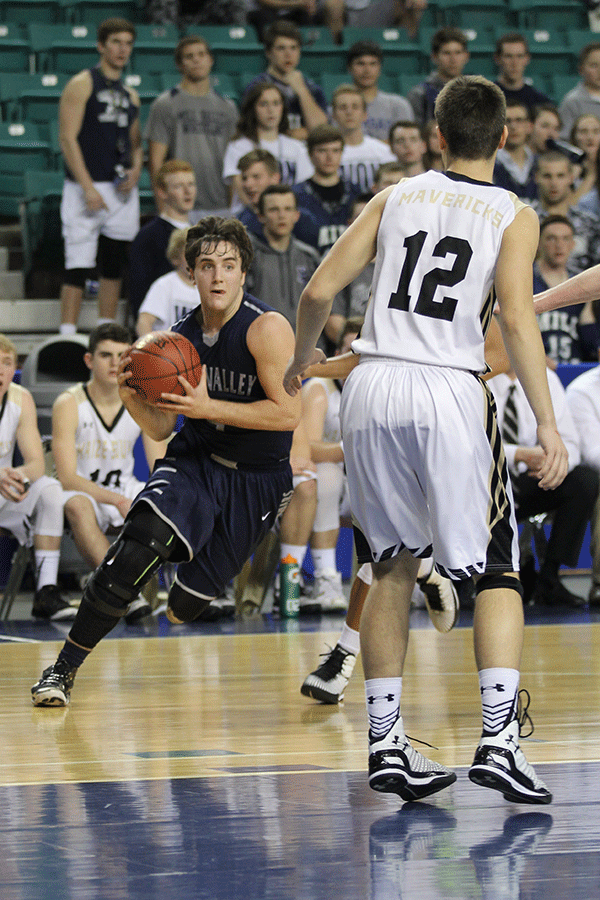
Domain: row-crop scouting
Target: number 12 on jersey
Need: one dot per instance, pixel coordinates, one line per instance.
(426, 305)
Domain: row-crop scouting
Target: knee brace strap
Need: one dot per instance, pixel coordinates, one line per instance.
(185, 606)
(145, 542)
(497, 582)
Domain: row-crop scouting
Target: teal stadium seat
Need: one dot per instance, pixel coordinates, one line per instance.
(154, 48)
(24, 11)
(578, 38)
(480, 14)
(63, 48)
(147, 201)
(21, 149)
(40, 219)
(30, 98)
(92, 12)
(15, 49)
(549, 13)
(559, 85)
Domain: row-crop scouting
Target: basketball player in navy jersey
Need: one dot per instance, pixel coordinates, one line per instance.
(425, 462)
(102, 150)
(226, 475)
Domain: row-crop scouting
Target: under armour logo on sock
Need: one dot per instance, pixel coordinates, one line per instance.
(493, 687)
(388, 697)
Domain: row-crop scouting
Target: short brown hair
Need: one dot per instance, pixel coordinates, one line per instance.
(7, 346)
(114, 26)
(447, 35)
(585, 52)
(511, 37)
(347, 89)
(281, 29)
(259, 155)
(214, 230)
(275, 189)
(323, 134)
(188, 41)
(169, 168)
(109, 331)
(176, 244)
(555, 220)
(471, 113)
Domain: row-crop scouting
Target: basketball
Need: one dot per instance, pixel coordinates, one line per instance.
(157, 359)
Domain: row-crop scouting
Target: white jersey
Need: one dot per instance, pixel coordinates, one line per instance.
(360, 162)
(104, 453)
(169, 299)
(437, 249)
(10, 413)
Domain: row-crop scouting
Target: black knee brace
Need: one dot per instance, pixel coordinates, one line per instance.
(113, 257)
(145, 542)
(185, 606)
(494, 582)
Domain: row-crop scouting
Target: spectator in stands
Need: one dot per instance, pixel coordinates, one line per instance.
(325, 196)
(583, 398)
(363, 61)
(570, 334)
(282, 265)
(264, 13)
(194, 123)
(585, 96)
(554, 180)
(585, 135)
(433, 154)
(406, 14)
(406, 141)
(31, 503)
(362, 155)
(93, 437)
(572, 503)
(590, 202)
(515, 162)
(175, 187)
(353, 300)
(172, 295)
(546, 126)
(386, 175)
(258, 170)
(102, 151)
(263, 123)
(305, 102)
(450, 55)
(512, 58)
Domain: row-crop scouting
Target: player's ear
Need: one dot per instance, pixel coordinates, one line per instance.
(87, 358)
(503, 138)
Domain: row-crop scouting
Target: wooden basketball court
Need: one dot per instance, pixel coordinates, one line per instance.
(188, 765)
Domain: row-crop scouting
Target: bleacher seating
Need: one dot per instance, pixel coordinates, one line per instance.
(95, 11)
(21, 148)
(549, 13)
(15, 49)
(30, 98)
(62, 48)
(24, 11)
(40, 218)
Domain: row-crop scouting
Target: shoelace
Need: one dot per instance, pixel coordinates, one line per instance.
(522, 714)
(329, 665)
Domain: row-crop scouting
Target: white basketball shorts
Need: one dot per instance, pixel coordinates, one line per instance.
(82, 228)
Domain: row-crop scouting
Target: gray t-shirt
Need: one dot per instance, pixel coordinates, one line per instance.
(197, 130)
(384, 111)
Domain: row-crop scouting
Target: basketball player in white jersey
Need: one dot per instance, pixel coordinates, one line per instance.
(425, 461)
(93, 437)
(31, 503)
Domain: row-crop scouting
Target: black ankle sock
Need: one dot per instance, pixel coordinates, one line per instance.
(73, 655)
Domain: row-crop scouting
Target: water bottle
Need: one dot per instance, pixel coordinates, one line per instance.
(289, 588)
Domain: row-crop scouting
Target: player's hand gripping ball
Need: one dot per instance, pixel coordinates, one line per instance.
(157, 359)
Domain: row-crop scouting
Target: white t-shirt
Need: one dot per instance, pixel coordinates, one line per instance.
(360, 162)
(291, 154)
(168, 299)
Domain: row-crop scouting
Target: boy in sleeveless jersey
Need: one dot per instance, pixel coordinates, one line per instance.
(31, 503)
(421, 440)
(226, 475)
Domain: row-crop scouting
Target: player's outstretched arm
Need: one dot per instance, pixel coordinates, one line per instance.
(353, 250)
(579, 289)
(523, 339)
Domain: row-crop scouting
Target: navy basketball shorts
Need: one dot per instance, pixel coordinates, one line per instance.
(220, 514)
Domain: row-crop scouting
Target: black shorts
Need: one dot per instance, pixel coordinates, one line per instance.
(220, 514)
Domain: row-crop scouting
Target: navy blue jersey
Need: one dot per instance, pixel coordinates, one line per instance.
(329, 219)
(231, 376)
(104, 134)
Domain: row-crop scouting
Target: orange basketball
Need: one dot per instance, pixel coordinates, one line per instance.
(157, 359)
